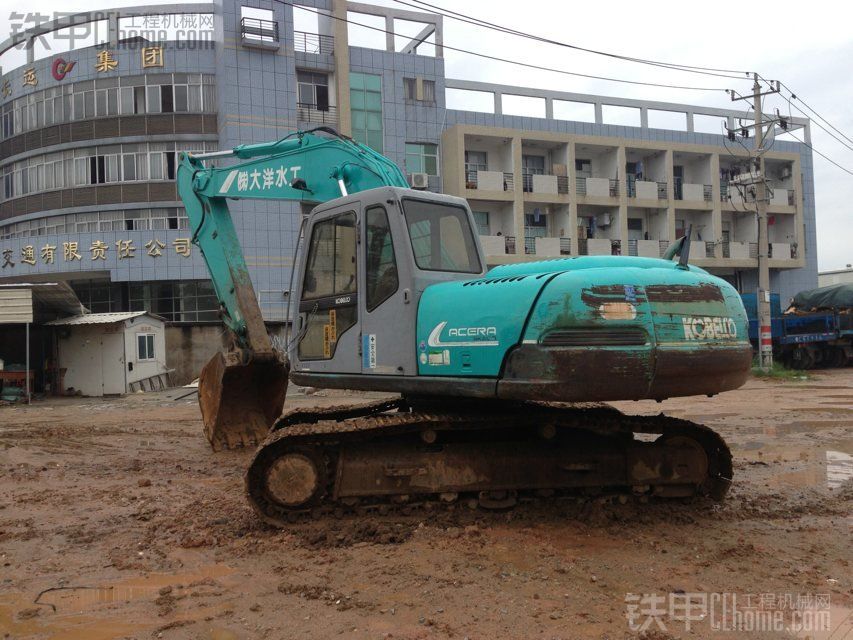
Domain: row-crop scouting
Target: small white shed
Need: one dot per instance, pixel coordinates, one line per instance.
(112, 353)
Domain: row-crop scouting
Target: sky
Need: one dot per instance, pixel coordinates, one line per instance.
(807, 51)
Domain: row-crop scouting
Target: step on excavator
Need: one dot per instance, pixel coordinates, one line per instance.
(498, 376)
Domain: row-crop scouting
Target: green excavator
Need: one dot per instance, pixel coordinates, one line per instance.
(497, 375)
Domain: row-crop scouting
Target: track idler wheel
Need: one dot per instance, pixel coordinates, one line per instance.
(284, 480)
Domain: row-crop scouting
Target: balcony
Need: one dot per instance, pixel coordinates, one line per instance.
(489, 180)
(313, 114)
(647, 248)
(600, 187)
(315, 43)
(709, 250)
(690, 192)
(646, 189)
(599, 247)
(258, 33)
(545, 184)
(548, 247)
(782, 251)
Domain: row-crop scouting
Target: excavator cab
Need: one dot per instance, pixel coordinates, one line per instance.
(367, 258)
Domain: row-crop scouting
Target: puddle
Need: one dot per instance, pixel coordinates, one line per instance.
(815, 466)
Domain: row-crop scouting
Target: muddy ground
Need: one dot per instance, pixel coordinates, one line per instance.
(120, 508)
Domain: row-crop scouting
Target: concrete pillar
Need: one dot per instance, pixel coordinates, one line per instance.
(439, 36)
(498, 103)
(573, 196)
(599, 114)
(31, 52)
(113, 29)
(339, 29)
(518, 193)
(621, 160)
(389, 33)
(549, 108)
(690, 128)
(644, 117)
(670, 197)
(717, 212)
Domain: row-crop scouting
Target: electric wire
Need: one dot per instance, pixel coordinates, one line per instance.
(461, 17)
(514, 62)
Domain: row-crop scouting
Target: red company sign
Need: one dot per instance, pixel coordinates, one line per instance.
(60, 68)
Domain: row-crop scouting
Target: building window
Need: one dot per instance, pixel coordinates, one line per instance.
(313, 90)
(145, 346)
(366, 106)
(410, 88)
(429, 91)
(476, 161)
(422, 158)
(481, 219)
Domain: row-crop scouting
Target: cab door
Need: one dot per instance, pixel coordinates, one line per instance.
(328, 326)
(388, 310)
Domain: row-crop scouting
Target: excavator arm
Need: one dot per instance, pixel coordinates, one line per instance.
(241, 391)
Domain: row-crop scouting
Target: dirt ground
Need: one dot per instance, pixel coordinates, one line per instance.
(118, 511)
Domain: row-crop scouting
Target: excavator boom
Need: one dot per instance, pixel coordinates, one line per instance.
(242, 391)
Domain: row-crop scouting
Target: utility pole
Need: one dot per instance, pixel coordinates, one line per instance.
(758, 179)
(765, 334)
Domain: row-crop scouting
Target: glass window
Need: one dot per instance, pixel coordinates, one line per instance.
(331, 258)
(366, 106)
(441, 237)
(331, 272)
(180, 97)
(422, 158)
(145, 346)
(481, 219)
(153, 102)
(410, 91)
(429, 90)
(381, 267)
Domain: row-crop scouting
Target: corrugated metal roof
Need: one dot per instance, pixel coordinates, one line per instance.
(102, 318)
(50, 299)
(16, 306)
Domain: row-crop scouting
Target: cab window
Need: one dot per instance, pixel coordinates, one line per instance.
(329, 302)
(441, 237)
(381, 263)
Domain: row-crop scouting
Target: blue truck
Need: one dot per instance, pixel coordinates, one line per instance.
(805, 340)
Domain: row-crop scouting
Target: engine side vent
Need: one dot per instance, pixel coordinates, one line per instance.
(615, 337)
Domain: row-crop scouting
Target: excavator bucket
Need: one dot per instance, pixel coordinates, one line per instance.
(239, 401)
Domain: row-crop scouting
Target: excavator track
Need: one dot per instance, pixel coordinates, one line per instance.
(397, 455)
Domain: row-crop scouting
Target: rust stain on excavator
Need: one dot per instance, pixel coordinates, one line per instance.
(684, 293)
(597, 296)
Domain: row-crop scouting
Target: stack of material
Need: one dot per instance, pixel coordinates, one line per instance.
(836, 296)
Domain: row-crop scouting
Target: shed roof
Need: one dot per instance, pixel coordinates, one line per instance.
(103, 318)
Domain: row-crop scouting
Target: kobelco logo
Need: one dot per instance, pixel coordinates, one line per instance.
(465, 336)
(60, 68)
(708, 328)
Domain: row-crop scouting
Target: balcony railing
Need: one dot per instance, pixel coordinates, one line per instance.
(583, 249)
(661, 190)
(563, 185)
(258, 30)
(678, 191)
(791, 197)
(632, 247)
(565, 246)
(472, 181)
(724, 191)
(313, 43)
(753, 249)
(726, 250)
(307, 112)
(708, 192)
(632, 186)
(527, 182)
(614, 187)
(709, 250)
(580, 183)
(664, 245)
(509, 243)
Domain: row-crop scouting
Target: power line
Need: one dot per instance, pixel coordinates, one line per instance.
(461, 17)
(514, 62)
(822, 155)
(796, 97)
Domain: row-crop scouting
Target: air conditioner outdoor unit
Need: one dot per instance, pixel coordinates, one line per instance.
(419, 180)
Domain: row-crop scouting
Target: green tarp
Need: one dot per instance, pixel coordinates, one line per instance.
(836, 296)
